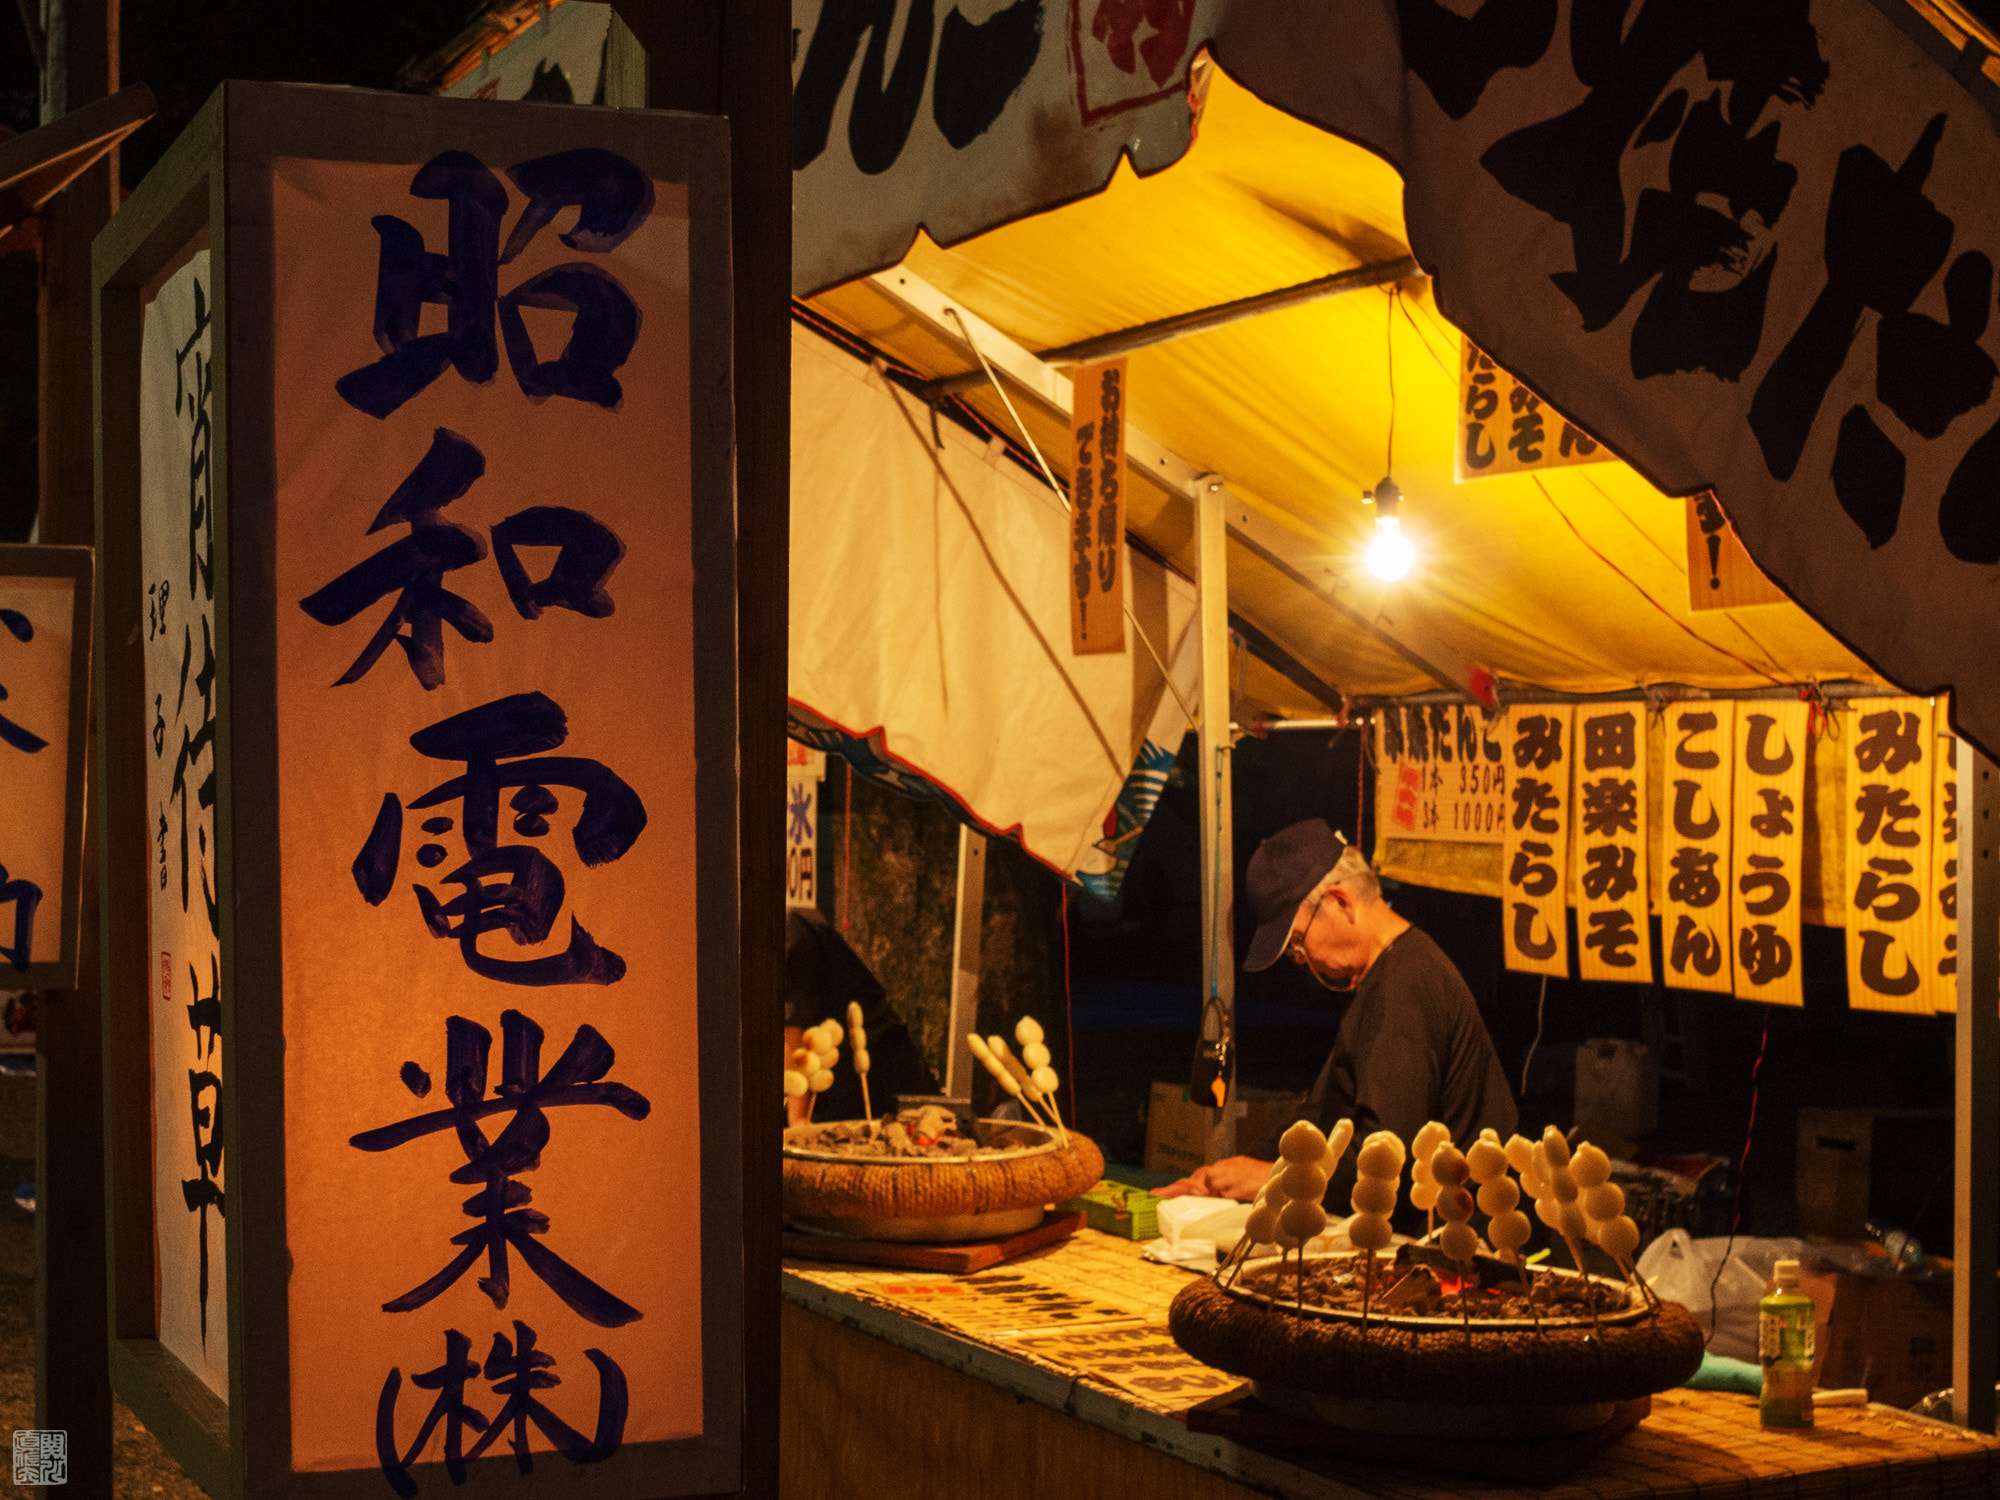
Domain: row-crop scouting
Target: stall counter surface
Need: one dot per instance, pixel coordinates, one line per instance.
(1073, 1338)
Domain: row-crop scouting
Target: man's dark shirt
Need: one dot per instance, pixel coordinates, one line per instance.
(822, 974)
(1411, 1048)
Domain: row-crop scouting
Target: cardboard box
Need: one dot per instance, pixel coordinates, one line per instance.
(1891, 1334)
(1178, 1130)
(1115, 1208)
(1837, 1179)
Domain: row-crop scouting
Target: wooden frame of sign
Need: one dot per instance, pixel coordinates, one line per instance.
(74, 563)
(214, 190)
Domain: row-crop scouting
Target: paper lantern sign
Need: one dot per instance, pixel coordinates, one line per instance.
(1441, 773)
(1941, 963)
(1695, 906)
(1764, 887)
(1505, 428)
(805, 769)
(44, 700)
(1890, 781)
(1535, 855)
(1720, 573)
(421, 801)
(1611, 909)
(1097, 510)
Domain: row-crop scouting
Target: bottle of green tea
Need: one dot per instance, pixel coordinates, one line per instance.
(1785, 1348)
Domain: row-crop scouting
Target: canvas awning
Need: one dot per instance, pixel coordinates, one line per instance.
(1574, 580)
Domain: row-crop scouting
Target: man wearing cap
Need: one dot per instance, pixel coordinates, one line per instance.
(1411, 1047)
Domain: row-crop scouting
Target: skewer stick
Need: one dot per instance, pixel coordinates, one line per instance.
(1023, 1082)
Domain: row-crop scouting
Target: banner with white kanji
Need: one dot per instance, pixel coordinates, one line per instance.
(1440, 773)
(1764, 888)
(1890, 782)
(1611, 846)
(1535, 854)
(487, 711)
(1941, 962)
(1695, 809)
(178, 559)
(1748, 247)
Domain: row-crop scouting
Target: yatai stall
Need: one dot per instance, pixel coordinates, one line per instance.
(1660, 599)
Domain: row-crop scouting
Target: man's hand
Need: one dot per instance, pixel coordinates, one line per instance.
(1236, 1177)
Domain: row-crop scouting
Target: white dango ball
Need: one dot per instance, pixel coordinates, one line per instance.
(1045, 1079)
(1381, 1155)
(1590, 1166)
(1448, 1167)
(1520, 1153)
(1028, 1032)
(1488, 1133)
(1458, 1242)
(1424, 1195)
(1304, 1180)
(1509, 1231)
(1557, 1146)
(1549, 1210)
(1454, 1204)
(1500, 1196)
(1570, 1223)
(860, 1060)
(1369, 1231)
(1619, 1238)
(1432, 1135)
(1302, 1142)
(1262, 1225)
(796, 1084)
(1605, 1201)
(821, 1081)
(831, 1030)
(1374, 1195)
(1336, 1142)
(1302, 1219)
(1034, 1054)
(1486, 1161)
(979, 1048)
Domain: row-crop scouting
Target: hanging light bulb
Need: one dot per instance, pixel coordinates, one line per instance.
(1390, 554)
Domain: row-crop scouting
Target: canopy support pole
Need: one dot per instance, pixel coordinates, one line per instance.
(1218, 844)
(965, 964)
(1975, 1282)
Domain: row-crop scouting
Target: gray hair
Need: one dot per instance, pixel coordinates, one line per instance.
(1354, 872)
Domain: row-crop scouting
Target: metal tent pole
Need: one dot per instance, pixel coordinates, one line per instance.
(1975, 1286)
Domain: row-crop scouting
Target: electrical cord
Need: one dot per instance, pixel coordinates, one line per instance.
(1540, 1001)
(1742, 1167)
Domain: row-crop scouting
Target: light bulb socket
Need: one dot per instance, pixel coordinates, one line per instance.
(1386, 495)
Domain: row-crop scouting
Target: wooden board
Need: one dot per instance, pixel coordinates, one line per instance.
(1240, 1415)
(959, 1260)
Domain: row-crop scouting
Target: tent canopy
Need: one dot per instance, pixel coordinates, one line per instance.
(1571, 580)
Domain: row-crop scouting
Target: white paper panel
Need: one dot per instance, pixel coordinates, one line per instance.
(36, 615)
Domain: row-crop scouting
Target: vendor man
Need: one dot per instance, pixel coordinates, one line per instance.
(822, 974)
(1411, 1047)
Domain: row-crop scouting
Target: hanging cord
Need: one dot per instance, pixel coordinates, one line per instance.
(1363, 752)
(1061, 494)
(847, 846)
(1389, 342)
(1742, 1168)
(1540, 1002)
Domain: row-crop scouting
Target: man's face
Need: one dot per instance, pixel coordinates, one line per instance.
(1327, 939)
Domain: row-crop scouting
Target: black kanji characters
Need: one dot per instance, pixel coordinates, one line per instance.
(1610, 872)
(413, 569)
(24, 896)
(1890, 740)
(499, 744)
(613, 198)
(1610, 804)
(22, 629)
(1763, 953)
(516, 1370)
(1610, 742)
(1612, 934)
(1694, 881)
(1537, 741)
(524, 1092)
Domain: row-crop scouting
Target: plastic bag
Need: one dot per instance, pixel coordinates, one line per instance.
(1682, 1269)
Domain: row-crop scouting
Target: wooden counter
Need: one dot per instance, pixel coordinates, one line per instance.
(1052, 1378)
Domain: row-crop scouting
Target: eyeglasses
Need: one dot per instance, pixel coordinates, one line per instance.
(1295, 945)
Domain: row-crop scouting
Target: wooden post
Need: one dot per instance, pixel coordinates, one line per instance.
(72, 1339)
(733, 57)
(1975, 1283)
(1213, 787)
(964, 1014)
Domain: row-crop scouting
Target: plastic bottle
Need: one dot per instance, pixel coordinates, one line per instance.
(1785, 1348)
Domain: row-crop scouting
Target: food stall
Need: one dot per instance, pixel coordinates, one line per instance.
(1367, 471)
(1403, 503)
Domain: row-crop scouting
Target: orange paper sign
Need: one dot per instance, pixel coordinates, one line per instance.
(1097, 515)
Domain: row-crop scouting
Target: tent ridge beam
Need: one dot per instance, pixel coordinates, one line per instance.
(1273, 542)
(1202, 320)
(1664, 692)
